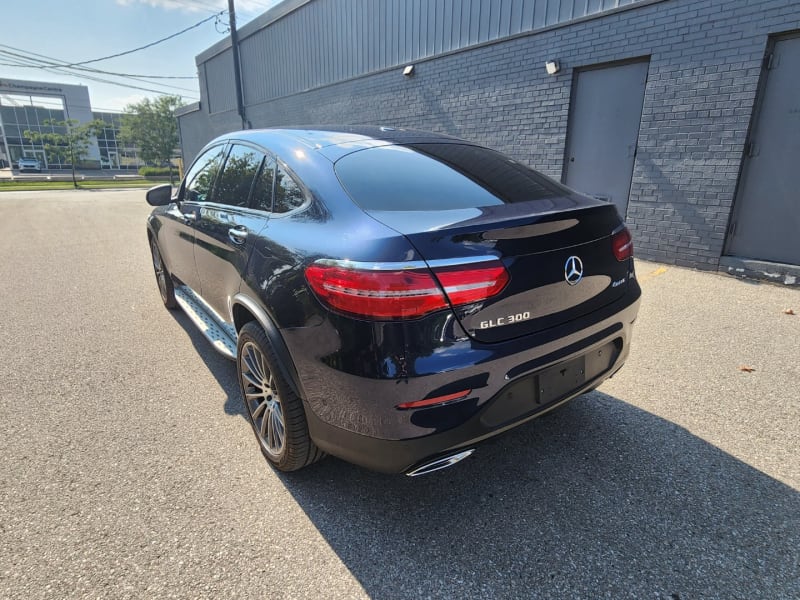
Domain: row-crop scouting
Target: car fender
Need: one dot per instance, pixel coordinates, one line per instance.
(286, 365)
(153, 228)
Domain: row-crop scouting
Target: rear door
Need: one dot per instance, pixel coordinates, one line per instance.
(226, 226)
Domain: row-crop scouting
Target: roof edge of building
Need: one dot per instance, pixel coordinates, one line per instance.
(262, 21)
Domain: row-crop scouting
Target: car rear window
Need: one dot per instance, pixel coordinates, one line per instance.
(439, 177)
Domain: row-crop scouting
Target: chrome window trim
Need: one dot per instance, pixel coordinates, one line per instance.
(279, 162)
(405, 265)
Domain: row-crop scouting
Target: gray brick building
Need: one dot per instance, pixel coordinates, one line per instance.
(684, 113)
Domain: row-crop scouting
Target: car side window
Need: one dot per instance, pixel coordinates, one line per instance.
(288, 194)
(262, 190)
(200, 178)
(241, 167)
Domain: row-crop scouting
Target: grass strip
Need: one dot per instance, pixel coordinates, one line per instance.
(33, 186)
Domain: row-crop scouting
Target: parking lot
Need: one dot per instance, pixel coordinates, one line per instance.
(128, 469)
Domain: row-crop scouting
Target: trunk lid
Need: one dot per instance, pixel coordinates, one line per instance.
(458, 202)
(559, 258)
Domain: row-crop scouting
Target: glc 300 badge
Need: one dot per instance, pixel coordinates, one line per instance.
(573, 270)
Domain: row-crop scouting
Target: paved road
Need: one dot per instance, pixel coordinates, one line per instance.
(128, 470)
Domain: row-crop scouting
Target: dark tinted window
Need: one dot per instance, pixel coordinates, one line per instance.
(240, 169)
(288, 194)
(201, 176)
(262, 192)
(439, 177)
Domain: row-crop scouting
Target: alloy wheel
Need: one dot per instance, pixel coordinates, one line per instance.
(161, 275)
(262, 400)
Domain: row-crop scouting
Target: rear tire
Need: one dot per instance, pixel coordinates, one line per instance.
(165, 286)
(275, 412)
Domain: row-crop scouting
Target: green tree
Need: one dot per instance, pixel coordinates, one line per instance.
(68, 141)
(152, 127)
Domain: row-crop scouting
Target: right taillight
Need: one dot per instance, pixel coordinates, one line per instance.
(622, 244)
(397, 291)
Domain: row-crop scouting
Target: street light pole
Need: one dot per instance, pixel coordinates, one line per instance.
(237, 70)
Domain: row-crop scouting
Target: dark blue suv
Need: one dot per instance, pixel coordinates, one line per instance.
(392, 297)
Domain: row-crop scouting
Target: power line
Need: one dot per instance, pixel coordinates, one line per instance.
(49, 102)
(63, 70)
(58, 71)
(87, 69)
(100, 80)
(151, 44)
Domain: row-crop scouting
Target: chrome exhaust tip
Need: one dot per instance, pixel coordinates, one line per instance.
(440, 463)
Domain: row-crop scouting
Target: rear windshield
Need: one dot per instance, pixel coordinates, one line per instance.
(439, 177)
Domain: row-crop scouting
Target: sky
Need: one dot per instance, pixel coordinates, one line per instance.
(83, 30)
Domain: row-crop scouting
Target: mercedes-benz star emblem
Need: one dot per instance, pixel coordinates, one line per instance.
(573, 270)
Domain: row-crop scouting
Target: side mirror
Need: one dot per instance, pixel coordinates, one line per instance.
(160, 195)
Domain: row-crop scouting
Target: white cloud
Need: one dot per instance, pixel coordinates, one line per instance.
(249, 6)
(121, 101)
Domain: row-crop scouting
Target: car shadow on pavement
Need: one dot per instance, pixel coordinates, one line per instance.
(221, 368)
(598, 499)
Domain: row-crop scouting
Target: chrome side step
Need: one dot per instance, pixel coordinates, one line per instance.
(440, 463)
(221, 335)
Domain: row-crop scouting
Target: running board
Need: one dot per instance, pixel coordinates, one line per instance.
(221, 335)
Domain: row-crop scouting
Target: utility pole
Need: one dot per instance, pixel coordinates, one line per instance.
(237, 69)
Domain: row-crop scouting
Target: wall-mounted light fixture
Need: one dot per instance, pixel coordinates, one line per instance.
(552, 67)
(408, 71)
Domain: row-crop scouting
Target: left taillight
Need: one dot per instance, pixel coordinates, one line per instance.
(622, 244)
(394, 291)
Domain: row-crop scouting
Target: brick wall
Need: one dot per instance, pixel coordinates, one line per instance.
(705, 62)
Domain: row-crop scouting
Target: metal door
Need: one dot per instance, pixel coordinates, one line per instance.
(766, 221)
(603, 129)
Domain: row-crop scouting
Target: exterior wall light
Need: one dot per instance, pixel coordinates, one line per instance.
(408, 71)
(552, 67)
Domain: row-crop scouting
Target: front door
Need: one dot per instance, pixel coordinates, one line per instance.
(226, 227)
(177, 237)
(603, 131)
(766, 220)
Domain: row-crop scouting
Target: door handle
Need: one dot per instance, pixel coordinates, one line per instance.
(238, 235)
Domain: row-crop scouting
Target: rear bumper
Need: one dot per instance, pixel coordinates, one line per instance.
(521, 380)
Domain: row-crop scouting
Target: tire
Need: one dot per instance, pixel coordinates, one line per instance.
(163, 278)
(275, 412)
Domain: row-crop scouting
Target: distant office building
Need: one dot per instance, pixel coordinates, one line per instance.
(28, 105)
(683, 113)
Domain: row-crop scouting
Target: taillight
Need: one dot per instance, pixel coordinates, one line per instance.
(622, 244)
(375, 293)
(403, 290)
(465, 284)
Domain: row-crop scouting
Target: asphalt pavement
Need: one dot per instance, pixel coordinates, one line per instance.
(127, 468)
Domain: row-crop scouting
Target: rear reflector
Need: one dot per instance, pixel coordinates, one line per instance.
(389, 291)
(437, 400)
(622, 243)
